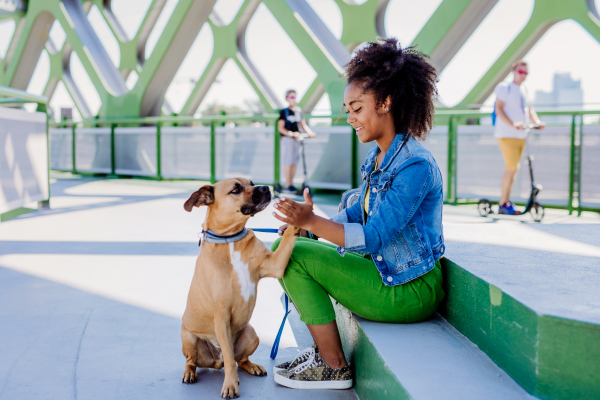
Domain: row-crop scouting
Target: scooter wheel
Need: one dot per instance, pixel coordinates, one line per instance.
(484, 207)
(300, 191)
(537, 211)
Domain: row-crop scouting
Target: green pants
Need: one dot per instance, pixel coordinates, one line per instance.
(316, 271)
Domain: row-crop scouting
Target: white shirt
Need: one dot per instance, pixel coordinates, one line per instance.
(516, 109)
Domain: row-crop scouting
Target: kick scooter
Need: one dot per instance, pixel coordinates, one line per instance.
(303, 136)
(536, 209)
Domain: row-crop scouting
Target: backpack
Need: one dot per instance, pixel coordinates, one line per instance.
(494, 111)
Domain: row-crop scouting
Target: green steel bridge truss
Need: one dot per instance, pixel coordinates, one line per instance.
(441, 37)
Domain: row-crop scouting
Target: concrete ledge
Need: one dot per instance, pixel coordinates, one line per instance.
(551, 357)
(428, 360)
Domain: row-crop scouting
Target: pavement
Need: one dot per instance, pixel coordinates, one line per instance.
(93, 289)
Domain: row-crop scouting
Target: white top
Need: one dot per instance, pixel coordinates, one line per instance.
(516, 108)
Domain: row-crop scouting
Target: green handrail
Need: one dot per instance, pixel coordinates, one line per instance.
(20, 96)
(453, 118)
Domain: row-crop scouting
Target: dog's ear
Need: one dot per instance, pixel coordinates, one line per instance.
(203, 197)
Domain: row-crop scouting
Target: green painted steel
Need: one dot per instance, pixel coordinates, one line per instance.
(546, 13)
(551, 357)
(276, 155)
(158, 152)
(213, 152)
(374, 380)
(572, 165)
(15, 213)
(452, 155)
(442, 36)
(453, 118)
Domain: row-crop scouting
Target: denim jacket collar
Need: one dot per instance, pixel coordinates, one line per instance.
(393, 150)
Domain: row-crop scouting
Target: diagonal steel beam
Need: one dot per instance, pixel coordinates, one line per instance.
(26, 46)
(229, 42)
(326, 58)
(450, 27)
(170, 51)
(545, 14)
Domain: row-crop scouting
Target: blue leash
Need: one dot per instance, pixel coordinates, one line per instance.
(275, 347)
(267, 230)
(278, 337)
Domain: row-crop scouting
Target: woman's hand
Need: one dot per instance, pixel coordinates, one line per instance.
(294, 213)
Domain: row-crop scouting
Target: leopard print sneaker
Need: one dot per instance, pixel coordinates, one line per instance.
(315, 374)
(300, 358)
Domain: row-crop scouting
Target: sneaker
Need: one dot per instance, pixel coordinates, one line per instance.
(290, 190)
(315, 374)
(303, 356)
(508, 208)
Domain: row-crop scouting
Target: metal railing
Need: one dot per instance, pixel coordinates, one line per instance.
(212, 128)
(447, 148)
(574, 131)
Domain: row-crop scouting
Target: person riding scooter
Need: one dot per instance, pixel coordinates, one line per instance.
(513, 112)
(290, 121)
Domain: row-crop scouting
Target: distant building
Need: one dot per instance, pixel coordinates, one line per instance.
(566, 94)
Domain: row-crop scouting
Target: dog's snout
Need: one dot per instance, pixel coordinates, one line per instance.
(261, 194)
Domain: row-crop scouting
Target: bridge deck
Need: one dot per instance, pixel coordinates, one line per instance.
(92, 290)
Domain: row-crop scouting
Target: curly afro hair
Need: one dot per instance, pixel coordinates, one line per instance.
(386, 69)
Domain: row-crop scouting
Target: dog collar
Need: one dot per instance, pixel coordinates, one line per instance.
(212, 237)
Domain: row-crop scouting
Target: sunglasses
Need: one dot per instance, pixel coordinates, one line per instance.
(292, 97)
(522, 72)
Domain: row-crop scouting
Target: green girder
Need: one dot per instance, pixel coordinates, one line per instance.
(441, 37)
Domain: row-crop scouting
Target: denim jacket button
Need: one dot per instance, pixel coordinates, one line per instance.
(374, 190)
(370, 213)
(379, 258)
(389, 279)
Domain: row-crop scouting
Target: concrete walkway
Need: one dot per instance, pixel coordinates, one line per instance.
(92, 290)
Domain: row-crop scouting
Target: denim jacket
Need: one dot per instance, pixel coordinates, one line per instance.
(403, 231)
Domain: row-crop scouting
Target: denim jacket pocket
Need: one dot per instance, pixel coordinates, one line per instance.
(385, 182)
(363, 172)
(416, 235)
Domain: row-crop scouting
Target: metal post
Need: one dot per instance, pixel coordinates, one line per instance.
(451, 191)
(578, 165)
(572, 166)
(354, 160)
(44, 108)
(158, 152)
(112, 150)
(73, 149)
(276, 160)
(213, 161)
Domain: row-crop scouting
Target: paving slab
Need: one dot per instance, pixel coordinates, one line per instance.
(92, 292)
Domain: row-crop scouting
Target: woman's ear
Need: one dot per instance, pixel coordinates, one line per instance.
(387, 104)
(202, 197)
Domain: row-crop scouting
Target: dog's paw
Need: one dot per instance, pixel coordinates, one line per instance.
(189, 377)
(253, 369)
(230, 390)
(292, 230)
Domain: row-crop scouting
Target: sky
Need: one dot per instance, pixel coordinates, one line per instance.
(566, 47)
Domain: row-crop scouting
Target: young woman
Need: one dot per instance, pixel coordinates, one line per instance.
(386, 266)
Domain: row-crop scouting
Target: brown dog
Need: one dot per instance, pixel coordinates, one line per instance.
(215, 331)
